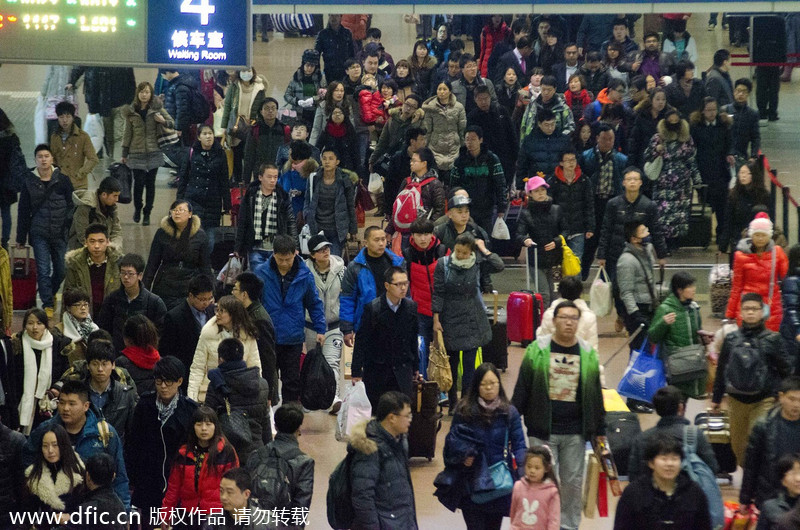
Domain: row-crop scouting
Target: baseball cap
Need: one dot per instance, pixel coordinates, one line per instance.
(318, 242)
(535, 182)
(457, 201)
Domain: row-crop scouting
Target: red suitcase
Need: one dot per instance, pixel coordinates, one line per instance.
(525, 308)
(23, 279)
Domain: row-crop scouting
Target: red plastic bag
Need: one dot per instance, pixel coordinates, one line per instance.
(602, 495)
(361, 216)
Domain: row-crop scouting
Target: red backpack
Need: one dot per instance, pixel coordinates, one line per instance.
(408, 204)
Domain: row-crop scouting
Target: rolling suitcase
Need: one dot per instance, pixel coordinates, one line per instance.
(621, 429)
(525, 308)
(496, 352)
(426, 420)
(23, 279)
(224, 246)
(699, 234)
(716, 428)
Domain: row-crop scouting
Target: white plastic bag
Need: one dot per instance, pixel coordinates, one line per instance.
(94, 128)
(375, 183)
(500, 230)
(230, 271)
(355, 408)
(600, 298)
(40, 122)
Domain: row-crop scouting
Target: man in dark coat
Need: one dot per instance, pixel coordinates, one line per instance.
(718, 83)
(521, 59)
(182, 324)
(399, 164)
(541, 150)
(573, 192)
(248, 290)
(100, 500)
(386, 352)
(160, 423)
(12, 478)
(746, 132)
(499, 134)
(178, 103)
(335, 44)
(263, 140)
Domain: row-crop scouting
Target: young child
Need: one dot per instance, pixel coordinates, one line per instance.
(535, 501)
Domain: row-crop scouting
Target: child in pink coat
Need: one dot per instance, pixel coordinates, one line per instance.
(535, 501)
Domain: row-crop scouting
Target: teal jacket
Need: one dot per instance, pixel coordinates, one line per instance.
(532, 396)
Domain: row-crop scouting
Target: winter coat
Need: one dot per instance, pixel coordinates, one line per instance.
(245, 231)
(464, 93)
(635, 277)
(53, 494)
(686, 105)
(432, 196)
(283, 155)
(300, 473)
(141, 136)
(672, 191)
(644, 127)
(288, 312)
(206, 357)
(261, 146)
(245, 391)
(359, 289)
(206, 185)
(179, 334)
(40, 216)
(499, 137)
(790, 323)
(87, 212)
(592, 112)
(595, 81)
(532, 391)
(458, 302)
(11, 480)
(76, 158)
(738, 214)
(446, 233)
(150, 447)
(590, 162)
(565, 123)
(295, 90)
(445, 126)
(371, 104)
(682, 332)
(393, 133)
(760, 480)
(751, 274)
(344, 140)
(321, 117)
(174, 260)
(230, 110)
(745, 131)
(713, 143)
(575, 200)
(540, 152)
(490, 37)
(718, 85)
(577, 102)
(335, 46)
(421, 264)
(644, 506)
(628, 46)
(672, 426)
(116, 309)
(78, 276)
(189, 489)
(345, 210)
(483, 178)
(665, 63)
(86, 444)
(102, 500)
(105, 88)
(138, 362)
(383, 494)
(544, 223)
(508, 97)
(6, 291)
(9, 142)
(178, 100)
(535, 506)
(122, 398)
(328, 290)
(587, 325)
(773, 511)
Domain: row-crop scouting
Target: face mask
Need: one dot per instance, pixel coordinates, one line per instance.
(246, 76)
(647, 240)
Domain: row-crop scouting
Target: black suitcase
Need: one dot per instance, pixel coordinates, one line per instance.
(496, 352)
(622, 428)
(426, 420)
(699, 234)
(716, 428)
(224, 246)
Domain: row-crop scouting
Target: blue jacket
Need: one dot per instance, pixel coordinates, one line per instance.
(591, 168)
(288, 312)
(87, 444)
(359, 289)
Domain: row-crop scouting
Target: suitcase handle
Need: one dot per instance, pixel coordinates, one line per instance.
(535, 265)
(494, 295)
(15, 255)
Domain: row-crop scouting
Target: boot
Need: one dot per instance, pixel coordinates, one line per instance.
(786, 76)
(137, 215)
(380, 203)
(146, 220)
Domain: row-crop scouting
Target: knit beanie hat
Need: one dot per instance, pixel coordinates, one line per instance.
(761, 224)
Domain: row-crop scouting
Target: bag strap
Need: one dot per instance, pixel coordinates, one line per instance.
(772, 276)
(689, 439)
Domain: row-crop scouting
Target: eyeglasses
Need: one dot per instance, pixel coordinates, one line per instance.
(400, 284)
(567, 317)
(408, 416)
(207, 299)
(80, 305)
(164, 382)
(128, 274)
(179, 210)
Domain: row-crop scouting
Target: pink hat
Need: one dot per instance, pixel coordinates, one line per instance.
(761, 224)
(535, 182)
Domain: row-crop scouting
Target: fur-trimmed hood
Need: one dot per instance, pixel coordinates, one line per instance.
(361, 436)
(82, 254)
(49, 491)
(308, 167)
(696, 118)
(171, 232)
(669, 136)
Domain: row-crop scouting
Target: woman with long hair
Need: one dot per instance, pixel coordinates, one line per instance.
(508, 91)
(179, 251)
(144, 119)
(231, 320)
(243, 99)
(55, 480)
(649, 112)
(422, 64)
(486, 430)
(583, 136)
(141, 352)
(9, 148)
(334, 98)
(338, 134)
(615, 64)
(446, 123)
(406, 82)
(749, 191)
(198, 467)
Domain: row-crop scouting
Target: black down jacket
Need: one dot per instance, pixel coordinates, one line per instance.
(576, 201)
(41, 216)
(11, 479)
(543, 223)
(206, 185)
(612, 234)
(178, 100)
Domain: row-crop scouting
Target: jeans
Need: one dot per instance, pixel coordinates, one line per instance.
(50, 268)
(466, 378)
(576, 243)
(256, 257)
(144, 181)
(425, 332)
(332, 351)
(333, 238)
(569, 460)
(288, 357)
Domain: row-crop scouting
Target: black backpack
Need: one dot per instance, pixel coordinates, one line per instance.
(747, 372)
(200, 109)
(340, 491)
(318, 381)
(271, 484)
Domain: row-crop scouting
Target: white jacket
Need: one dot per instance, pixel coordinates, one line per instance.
(206, 358)
(587, 326)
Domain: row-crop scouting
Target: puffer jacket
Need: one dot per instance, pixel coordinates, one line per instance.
(371, 105)
(751, 274)
(178, 100)
(206, 185)
(759, 480)
(88, 212)
(328, 290)
(11, 479)
(457, 301)
(576, 200)
(78, 276)
(587, 325)
(421, 263)
(642, 505)
(171, 264)
(790, 324)
(76, 157)
(141, 136)
(9, 143)
(52, 219)
(383, 494)
(206, 358)
(543, 223)
(359, 289)
(483, 178)
(565, 123)
(189, 489)
(245, 230)
(490, 36)
(246, 391)
(294, 91)
(596, 81)
(635, 279)
(713, 144)
(540, 152)
(261, 146)
(445, 125)
(345, 210)
(577, 102)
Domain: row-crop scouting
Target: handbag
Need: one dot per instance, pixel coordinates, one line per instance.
(166, 136)
(600, 300)
(501, 479)
(570, 263)
(235, 425)
(686, 363)
(653, 168)
(643, 376)
(439, 364)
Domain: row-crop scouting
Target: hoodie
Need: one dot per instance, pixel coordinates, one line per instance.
(535, 506)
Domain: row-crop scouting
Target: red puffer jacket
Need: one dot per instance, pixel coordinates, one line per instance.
(421, 265)
(489, 38)
(751, 274)
(371, 104)
(181, 489)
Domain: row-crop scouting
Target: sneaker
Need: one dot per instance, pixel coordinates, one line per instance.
(763, 122)
(443, 400)
(641, 408)
(49, 312)
(619, 325)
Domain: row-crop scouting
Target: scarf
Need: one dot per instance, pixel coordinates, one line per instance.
(75, 330)
(337, 130)
(216, 377)
(464, 263)
(492, 405)
(165, 411)
(35, 380)
(145, 358)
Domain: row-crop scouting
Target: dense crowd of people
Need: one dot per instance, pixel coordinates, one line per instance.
(156, 385)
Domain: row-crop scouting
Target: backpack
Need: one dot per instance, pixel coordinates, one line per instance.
(702, 475)
(199, 108)
(408, 204)
(318, 381)
(340, 491)
(271, 484)
(746, 372)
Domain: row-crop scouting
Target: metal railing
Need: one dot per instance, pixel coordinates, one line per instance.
(788, 202)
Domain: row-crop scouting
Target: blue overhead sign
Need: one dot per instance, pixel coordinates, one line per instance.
(208, 33)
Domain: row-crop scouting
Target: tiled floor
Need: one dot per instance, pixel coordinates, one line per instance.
(277, 60)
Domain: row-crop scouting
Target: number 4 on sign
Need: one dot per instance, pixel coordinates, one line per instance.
(204, 9)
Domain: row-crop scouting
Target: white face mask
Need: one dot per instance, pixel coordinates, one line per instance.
(246, 76)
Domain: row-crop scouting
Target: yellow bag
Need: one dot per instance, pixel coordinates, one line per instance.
(439, 364)
(570, 263)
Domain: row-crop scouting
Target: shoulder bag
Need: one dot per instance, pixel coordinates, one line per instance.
(686, 363)
(501, 478)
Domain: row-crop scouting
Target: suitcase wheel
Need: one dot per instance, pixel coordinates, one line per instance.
(524, 344)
